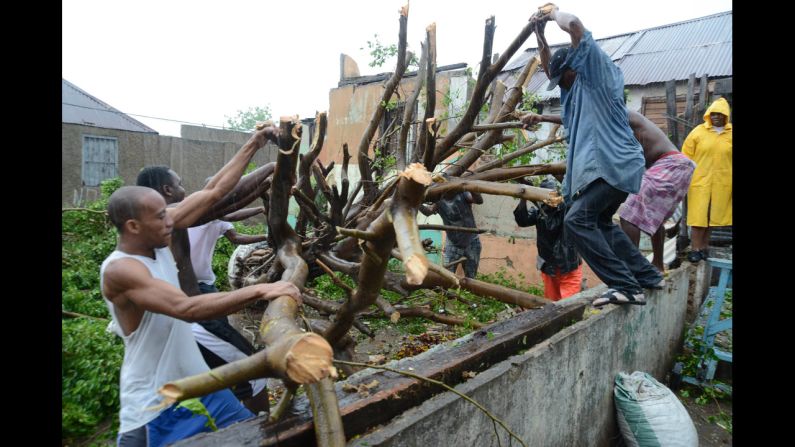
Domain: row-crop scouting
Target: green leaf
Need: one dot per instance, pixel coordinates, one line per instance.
(198, 409)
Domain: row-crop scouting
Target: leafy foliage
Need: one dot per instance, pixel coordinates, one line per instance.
(694, 358)
(91, 357)
(471, 308)
(381, 53)
(246, 120)
(91, 361)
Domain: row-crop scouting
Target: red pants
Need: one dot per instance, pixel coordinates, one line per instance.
(562, 285)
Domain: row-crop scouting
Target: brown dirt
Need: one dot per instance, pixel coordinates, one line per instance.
(710, 434)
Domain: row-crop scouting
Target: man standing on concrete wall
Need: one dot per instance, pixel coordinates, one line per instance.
(664, 183)
(604, 162)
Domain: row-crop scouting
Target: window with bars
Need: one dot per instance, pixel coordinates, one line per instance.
(100, 159)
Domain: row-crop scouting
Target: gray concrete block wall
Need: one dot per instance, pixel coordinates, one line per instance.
(496, 215)
(200, 133)
(193, 160)
(560, 392)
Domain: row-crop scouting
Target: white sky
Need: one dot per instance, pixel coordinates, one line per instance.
(198, 61)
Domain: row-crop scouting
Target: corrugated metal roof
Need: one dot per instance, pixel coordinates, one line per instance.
(645, 68)
(79, 107)
(702, 46)
(709, 30)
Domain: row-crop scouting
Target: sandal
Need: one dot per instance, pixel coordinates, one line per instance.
(613, 296)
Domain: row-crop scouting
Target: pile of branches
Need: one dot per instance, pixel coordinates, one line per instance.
(362, 228)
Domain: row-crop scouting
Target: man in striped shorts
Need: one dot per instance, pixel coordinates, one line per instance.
(663, 186)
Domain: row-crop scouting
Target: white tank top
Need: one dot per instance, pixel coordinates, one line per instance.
(161, 350)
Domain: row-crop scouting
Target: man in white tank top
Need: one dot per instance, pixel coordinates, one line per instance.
(140, 285)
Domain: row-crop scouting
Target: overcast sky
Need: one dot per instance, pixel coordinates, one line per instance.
(198, 61)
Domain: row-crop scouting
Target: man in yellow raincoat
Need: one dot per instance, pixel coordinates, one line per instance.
(709, 199)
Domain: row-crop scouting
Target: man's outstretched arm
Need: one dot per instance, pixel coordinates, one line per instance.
(129, 281)
(222, 182)
(566, 21)
(531, 119)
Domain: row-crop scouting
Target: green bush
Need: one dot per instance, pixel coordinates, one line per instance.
(91, 357)
(91, 361)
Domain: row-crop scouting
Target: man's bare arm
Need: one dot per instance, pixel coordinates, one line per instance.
(129, 281)
(544, 52)
(566, 21)
(531, 119)
(222, 182)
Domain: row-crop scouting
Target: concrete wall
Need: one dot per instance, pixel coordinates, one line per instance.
(560, 392)
(193, 159)
(209, 134)
(352, 106)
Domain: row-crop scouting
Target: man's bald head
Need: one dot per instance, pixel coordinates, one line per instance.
(125, 204)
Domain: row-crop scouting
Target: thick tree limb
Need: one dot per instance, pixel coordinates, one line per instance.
(346, 210)
(483, 142)
(425, 312)
(303, 184)
(499, 293)
(294, 358)
(249, 188)
(506, 110)
(496, 126)
(407, 196)
(408, 111)
(502, 174)
(387, 308)
(526, 192)
(358, 234)
(486, 74)
(346, 157)
(551, 138)
(278, 322)
(389, 89)
(447, 276)
(404, 219)
(331, 308)
(428, 126)
(504, 294)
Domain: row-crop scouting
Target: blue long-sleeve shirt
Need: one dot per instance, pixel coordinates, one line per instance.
(601, 143)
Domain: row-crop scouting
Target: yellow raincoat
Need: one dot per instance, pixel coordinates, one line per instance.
(711, 186)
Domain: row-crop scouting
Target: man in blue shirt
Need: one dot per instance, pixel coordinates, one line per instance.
(605, 162)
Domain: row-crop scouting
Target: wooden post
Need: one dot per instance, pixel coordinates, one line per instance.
(691, 83)
(702, 96)
(670, 97)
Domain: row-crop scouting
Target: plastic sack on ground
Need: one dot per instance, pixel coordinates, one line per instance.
(649, 414)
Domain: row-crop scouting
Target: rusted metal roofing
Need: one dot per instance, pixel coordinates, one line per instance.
(674, 51)
(79, 107)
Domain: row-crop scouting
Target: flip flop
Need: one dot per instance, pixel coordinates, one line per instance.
(613, 296)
